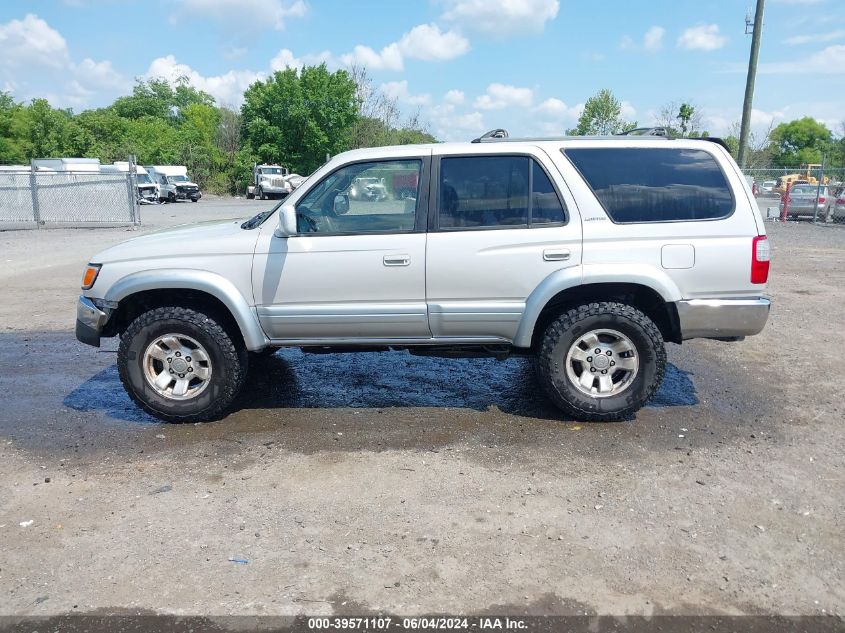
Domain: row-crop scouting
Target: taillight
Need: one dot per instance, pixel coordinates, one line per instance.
(759, 260)
(821, 199)
(840, 201)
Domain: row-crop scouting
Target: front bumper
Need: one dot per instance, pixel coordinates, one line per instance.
(90, 321)
(722, 318)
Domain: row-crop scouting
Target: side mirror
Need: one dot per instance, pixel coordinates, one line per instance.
(287, 221)
(341, 203)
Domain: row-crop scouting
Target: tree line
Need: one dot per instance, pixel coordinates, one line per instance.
(297, 117)
(293, 118)
(790, 144)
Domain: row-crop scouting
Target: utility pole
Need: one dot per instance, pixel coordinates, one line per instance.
(749, 81)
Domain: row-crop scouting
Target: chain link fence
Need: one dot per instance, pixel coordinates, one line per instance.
(816, 193)
(36, 199)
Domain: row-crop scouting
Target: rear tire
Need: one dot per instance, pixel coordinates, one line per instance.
(156, 340)
(590, 388)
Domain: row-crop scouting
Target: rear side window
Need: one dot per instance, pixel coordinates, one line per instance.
(655, 184)
(485, 192)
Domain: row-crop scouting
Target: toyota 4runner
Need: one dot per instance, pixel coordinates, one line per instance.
(588, 254)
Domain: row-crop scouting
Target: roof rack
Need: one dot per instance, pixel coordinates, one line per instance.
(500, 135)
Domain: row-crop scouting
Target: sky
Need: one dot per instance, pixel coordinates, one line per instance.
(465, 66)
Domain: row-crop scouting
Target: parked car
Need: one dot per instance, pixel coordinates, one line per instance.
(587, 254)
(768, 186)
(368, 188)
(803, 200)
(837, 213)
(173, 183)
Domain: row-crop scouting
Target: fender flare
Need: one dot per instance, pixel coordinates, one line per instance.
(566, 278)
(203, 281)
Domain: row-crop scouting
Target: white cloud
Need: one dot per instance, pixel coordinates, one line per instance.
(36, 62)
(815, 38)
(101, 74)
(454, 97)
(652, 40)
(450, 125)
(627, 111)
(227, 88)
(399, 90)
(702, 37)
(502, 96)
(427, 42)
(32, 41)
(828, 61)
(246, 14)
(502, 17)
(390, 58)
(555, 108)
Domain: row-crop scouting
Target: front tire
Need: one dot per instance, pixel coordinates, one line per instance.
(601, 361)
(181, 365)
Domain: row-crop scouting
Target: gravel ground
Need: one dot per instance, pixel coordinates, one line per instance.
(353, 483)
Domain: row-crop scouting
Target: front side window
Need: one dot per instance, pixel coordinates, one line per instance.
(372, 197)
(655, 184)
(482, 192)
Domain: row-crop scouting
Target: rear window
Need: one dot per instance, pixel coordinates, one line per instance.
(655, 184)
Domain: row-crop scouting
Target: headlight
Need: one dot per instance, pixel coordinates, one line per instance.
(90, 275)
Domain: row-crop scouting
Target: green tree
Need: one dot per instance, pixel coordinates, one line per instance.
(198, 149)
(602, 115)
(51, 132)
(800, 142)
(12, 126)
(158, 99)
(296, 117)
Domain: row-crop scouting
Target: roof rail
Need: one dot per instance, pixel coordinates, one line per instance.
(492, 135)
(646, 131)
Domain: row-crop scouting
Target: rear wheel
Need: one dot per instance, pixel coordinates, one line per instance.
(601, 361)
(181, 365)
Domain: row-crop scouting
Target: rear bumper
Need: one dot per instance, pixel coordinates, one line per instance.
(90, 321)
(722, 318)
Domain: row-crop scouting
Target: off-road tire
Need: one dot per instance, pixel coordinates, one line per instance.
(228, 357)
(564, 331)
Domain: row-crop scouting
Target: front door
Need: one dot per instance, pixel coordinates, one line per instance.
(356, 270)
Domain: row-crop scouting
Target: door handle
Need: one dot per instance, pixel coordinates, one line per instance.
(397, 260)
(556, 254)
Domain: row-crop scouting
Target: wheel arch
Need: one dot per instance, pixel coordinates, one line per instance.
(651, 292)
(145, 290)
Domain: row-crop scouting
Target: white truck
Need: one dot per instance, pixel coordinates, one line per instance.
(173, 184)
(268, 181)
(146, 188)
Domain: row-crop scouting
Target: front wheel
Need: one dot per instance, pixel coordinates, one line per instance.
(601, 361)
(181, 365)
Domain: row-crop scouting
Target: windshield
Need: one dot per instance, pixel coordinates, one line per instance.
(270, 170)
(177, 179)
(143, 179)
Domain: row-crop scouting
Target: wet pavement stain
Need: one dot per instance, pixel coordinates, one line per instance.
(321, 402)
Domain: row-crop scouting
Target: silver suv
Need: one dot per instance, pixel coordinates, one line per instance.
(586, 253)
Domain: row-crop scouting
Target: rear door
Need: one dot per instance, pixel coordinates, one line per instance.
(501, 221)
